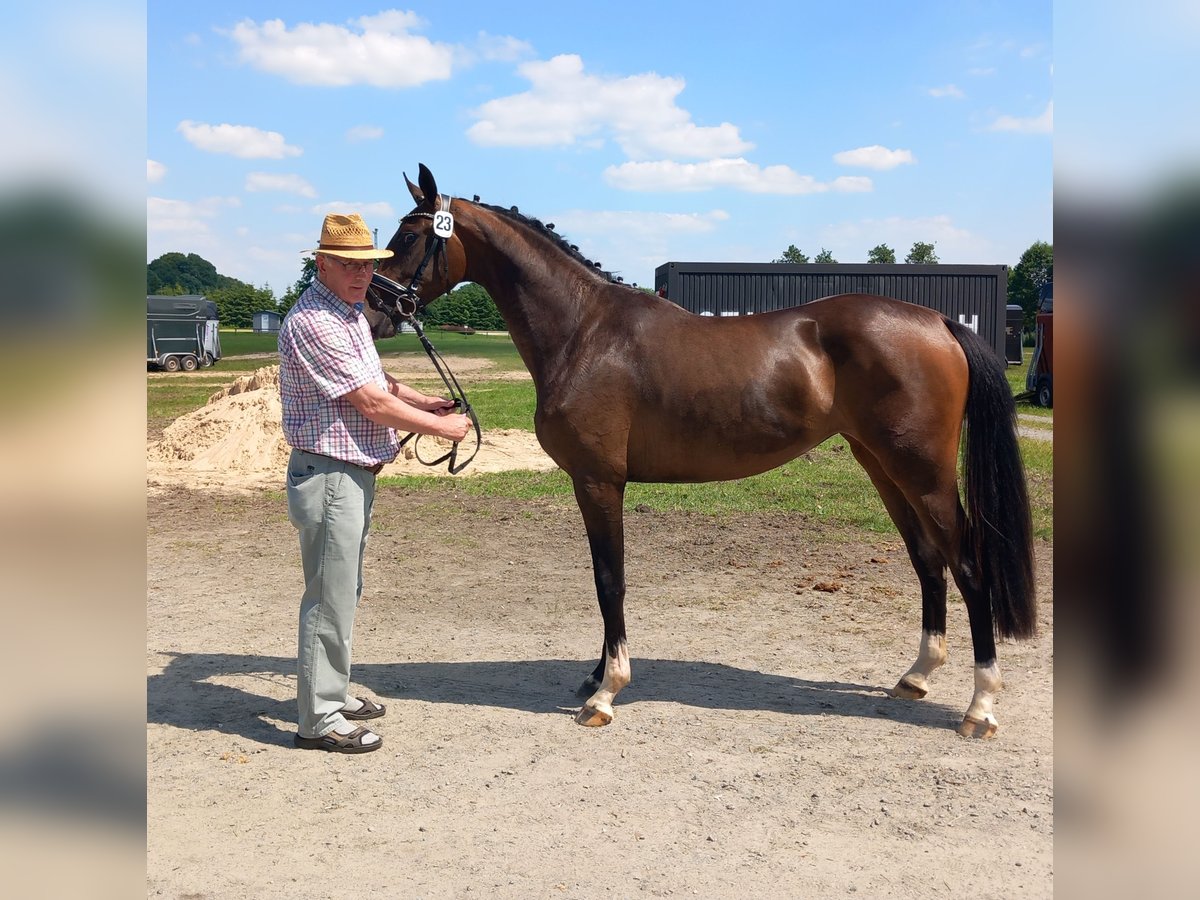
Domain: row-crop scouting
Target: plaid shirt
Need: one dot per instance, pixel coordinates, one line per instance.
(326, 351)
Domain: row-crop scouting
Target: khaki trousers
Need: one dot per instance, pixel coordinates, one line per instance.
(329, 503)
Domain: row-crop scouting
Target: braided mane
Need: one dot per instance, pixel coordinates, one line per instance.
(513, 215)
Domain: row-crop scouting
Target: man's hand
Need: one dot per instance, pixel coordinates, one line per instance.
(438, 405)
(407, 413)
(457, 426)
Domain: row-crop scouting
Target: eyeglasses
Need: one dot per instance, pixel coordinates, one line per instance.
(353, 265)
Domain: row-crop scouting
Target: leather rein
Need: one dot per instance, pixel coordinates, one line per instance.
(402, 303)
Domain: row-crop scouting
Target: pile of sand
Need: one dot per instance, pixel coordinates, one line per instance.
(266, 377)
(236, 442)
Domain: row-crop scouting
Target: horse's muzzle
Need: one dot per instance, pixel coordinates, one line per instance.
(391, 297)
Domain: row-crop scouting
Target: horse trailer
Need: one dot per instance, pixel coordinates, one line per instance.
(181, 332)
(1014, 334)
(1039, 380)
(976, 296)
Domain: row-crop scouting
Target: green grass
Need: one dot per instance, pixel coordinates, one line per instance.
(500, 404)
(495, 347)
(238, 343)
(826, 484)
(1038, 457)
(169, 397)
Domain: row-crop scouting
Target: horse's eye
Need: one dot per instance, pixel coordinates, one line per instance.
(407, 238)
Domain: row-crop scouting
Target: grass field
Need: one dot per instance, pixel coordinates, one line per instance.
(826, 483)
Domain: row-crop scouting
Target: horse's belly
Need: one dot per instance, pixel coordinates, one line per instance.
(696, 461)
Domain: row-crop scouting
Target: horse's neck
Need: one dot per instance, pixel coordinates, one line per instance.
(541, 292)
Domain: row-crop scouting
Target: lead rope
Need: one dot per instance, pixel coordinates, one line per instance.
(460, 403)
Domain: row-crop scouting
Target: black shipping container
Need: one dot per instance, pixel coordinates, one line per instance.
(974, 295)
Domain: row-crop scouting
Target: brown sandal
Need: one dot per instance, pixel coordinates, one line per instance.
(340, 743)
(368, 710)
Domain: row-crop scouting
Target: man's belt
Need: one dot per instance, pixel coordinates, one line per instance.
(374, 470)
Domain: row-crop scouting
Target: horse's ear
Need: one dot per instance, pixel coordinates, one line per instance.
(429, 189)
(417, 196)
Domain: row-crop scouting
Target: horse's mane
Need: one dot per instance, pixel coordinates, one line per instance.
(548, 232)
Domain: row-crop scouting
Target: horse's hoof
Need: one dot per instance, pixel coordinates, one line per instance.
(977, 728)
(594, 716)
(908, 688)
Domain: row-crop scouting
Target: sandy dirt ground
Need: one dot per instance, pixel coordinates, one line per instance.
(755, 753)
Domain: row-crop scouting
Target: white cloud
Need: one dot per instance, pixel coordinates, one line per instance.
(947, 90)
(852, 184)
(874, 157)
(735, 174)
(632, 243)
(643, 224)
(242, 251)
(378, 50)
(243, 141)
(288, 184)
(850, 241)
(364, 133)
(497, 48)
(185, 218)
(155, 171)
(567, 106)
(980, 71)
(1043, 124)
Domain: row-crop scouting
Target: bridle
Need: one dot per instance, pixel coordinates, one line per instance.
(401, 304)
(435, 247)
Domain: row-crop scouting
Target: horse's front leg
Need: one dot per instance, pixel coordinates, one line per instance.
(601, 505)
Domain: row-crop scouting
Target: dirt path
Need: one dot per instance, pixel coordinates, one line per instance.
(1035, 427)
(754, 755)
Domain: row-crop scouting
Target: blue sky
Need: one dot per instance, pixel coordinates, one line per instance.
(646, 132)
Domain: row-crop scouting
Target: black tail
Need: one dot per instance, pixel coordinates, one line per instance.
(999, 535)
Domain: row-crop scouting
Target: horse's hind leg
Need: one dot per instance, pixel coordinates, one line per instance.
(979, 721)
(931, 493)
(601, 506)
(930, 567)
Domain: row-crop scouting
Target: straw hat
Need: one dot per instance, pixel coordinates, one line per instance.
(348, 237)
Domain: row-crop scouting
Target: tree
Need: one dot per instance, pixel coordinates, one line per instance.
(307, 273)
(881, 253)
(1025, 281)
(237, 305)
(921, 254)
(483, 312)
(469, 304)
(825, 256)
(191, 273)
(792, 255)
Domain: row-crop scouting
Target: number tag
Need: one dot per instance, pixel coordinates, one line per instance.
(443, 223)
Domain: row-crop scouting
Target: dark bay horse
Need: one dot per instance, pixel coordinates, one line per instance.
(630, 387)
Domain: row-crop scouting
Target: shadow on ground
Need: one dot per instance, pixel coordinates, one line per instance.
(186, 695)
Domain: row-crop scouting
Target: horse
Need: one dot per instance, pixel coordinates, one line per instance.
(633, 388)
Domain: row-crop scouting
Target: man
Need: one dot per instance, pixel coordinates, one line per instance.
(341, 412)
